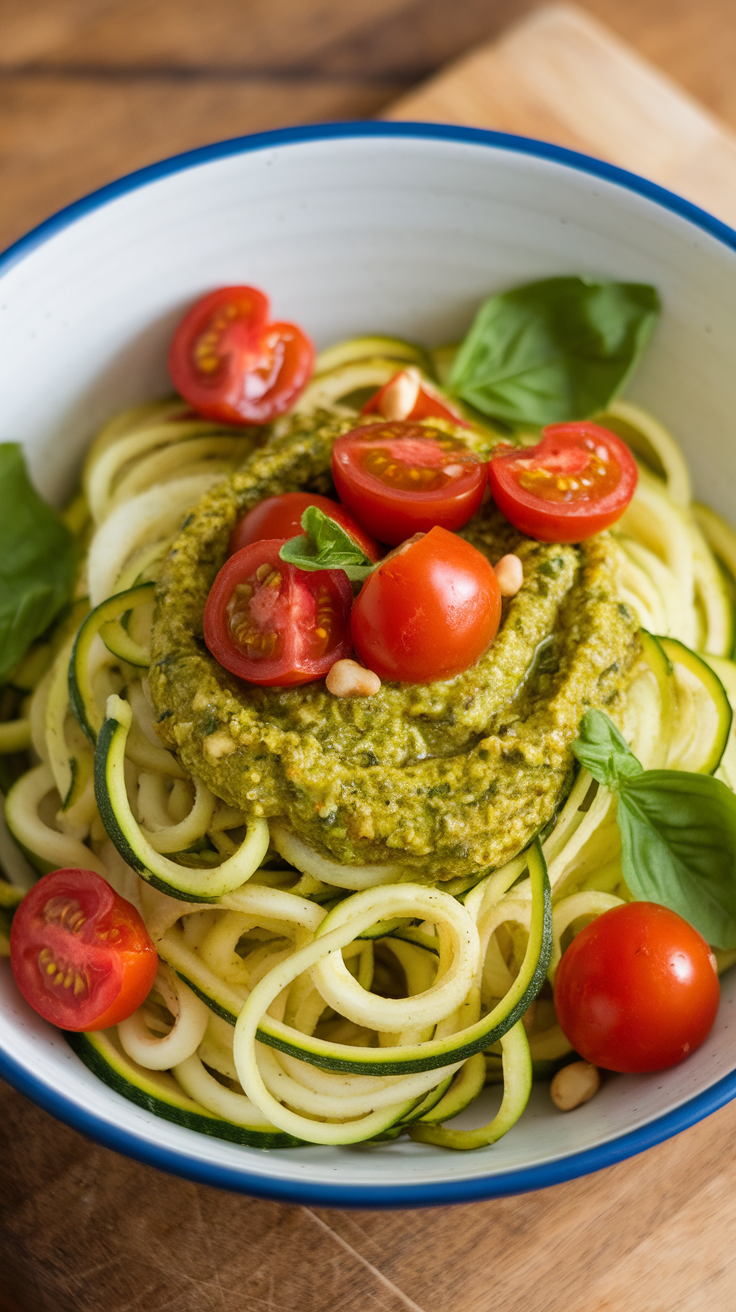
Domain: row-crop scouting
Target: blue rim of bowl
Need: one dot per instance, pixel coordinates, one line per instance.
(311, 1192)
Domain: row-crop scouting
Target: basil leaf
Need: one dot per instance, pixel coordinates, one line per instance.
(678, 831)
(326, 545)
(554, 350)
(678, 842)
(603, 750)
(38, 558)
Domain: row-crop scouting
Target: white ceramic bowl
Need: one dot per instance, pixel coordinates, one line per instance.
(351, 228)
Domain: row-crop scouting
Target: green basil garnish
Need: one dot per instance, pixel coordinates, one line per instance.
(678, 831)
(38, 558)
(554, 350)
(326, 545)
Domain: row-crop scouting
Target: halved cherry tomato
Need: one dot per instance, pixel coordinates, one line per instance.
(428, 612)
(232, 365)
(280, 517)
(403, 478)
(637, 989)
(273, 624)
(427, 401)
(80, 953)
(577, 481)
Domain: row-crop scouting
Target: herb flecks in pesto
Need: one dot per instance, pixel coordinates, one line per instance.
(449, 777)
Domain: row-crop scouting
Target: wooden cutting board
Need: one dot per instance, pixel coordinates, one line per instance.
(562, 76)
(82, 1229)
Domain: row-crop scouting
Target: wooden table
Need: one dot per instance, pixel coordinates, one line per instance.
(90, 89)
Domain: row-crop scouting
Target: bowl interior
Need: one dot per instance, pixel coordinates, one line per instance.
(398, 230)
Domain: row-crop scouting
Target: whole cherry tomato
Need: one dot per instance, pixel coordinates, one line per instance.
(273, 624)
(426, 401)
(428, 612)
(232, 365)
(280, 517)
(576, 482)
(80, 954)
(637, 989)
(403, 478)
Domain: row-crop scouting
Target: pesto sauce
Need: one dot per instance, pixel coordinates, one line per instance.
(449, 778)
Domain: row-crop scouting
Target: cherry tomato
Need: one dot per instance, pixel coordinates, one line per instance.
(403, 478)
(273, 624)
(577, 481)
(637, 989)
(80, 953)
(280, 517)
(429, 403)
(429, 611)
(234, 366)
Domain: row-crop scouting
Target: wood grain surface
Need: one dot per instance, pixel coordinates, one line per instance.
(563, 76)
(90, 89)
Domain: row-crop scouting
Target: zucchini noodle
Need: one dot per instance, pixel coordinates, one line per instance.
(299, 1000)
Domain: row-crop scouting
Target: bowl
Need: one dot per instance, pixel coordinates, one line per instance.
(401, 229)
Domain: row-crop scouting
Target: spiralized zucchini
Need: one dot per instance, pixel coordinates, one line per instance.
(298, 1000)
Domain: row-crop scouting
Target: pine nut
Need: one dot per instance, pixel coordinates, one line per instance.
(510, 574)
(349, 679)
(219, 744)
(574, 1085)
(400, 395)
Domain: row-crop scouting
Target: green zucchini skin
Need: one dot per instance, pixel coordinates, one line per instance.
(517, 1086)
(542, 1070)
(100, 1056)
(677, 653)
(385, 1061)
(219, 1008)
(80, 692)
(105, 742)
(191, 885)
(463, 1090)
(427, 1103)
(197, 976)
(455, 1048)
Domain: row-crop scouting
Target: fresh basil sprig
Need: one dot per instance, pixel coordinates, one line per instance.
(326, 545)
(678, 831)
(554, 350)
(38, 558)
